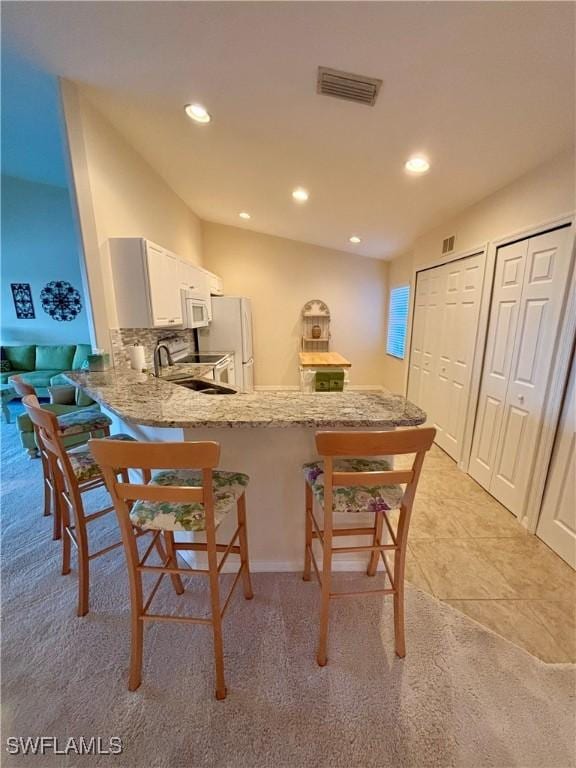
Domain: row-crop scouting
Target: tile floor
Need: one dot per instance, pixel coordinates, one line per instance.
(470, 552)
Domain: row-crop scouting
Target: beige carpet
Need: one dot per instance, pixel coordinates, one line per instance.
(462, 697)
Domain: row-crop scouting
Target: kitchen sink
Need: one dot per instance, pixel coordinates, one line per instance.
(204, 387)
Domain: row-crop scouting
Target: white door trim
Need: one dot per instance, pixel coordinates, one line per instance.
(533, 229)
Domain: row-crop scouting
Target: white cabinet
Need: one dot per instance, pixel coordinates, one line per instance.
(527, 305)
(193, 279)
(147, 283)
(163, 272)
(215, 284)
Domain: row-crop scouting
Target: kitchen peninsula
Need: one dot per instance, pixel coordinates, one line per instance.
(267, 434)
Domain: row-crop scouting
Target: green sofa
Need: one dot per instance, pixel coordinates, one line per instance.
(42, 366)
(39, 364)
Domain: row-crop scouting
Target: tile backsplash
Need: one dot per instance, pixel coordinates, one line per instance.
(121, 338)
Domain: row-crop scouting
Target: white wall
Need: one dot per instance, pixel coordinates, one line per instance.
(545, 193)
(39, 244)
(119, 195)
(280, 276)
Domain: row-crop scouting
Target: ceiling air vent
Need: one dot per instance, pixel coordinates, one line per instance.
(448, 245)
(344, 85)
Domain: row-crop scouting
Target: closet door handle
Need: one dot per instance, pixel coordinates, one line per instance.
(521, 398)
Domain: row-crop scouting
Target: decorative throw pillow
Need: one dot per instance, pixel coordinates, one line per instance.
(62, 395)
(5, 366)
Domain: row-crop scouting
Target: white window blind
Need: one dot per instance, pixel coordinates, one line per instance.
(398, 321)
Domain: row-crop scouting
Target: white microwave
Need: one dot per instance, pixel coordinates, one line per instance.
(194, 311)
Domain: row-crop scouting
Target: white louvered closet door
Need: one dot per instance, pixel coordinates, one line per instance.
(527, 305)
(417, 341)
(462, 294)
(444, 330)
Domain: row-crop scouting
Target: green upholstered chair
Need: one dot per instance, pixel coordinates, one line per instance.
(67, 400)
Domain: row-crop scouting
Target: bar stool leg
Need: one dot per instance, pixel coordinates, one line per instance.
(243, 540)
(376, 541)
(66, 542)
(83, 568)
(48, 483)
(57, 485)
(173, 562)
(136, 604)
(215, 606)
(136, 648)
(57, 513)
(400, 643)
(322, 657)
(308, 540)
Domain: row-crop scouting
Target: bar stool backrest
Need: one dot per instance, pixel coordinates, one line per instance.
(21, 387)
(114, 456)
(331, 445)
(24, 389)
(48, 433)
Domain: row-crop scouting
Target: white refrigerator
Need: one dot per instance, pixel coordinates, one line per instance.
(231, 331)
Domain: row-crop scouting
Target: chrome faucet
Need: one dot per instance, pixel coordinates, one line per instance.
(158, 357)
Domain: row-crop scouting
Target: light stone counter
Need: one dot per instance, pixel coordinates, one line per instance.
(144, 400)
(268, 435)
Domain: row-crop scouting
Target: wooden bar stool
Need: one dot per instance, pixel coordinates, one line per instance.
(72, 473)
(88, 421)
(342, 483)
(50, 501)
(186, 494)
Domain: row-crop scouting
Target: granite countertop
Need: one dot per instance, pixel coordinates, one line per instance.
(141, 399)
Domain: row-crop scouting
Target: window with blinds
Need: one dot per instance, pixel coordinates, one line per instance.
(398, 321)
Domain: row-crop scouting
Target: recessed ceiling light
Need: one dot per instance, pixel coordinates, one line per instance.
(300, 194)
(355, 239)
(244, 215)
(198, 113)
(417, 164)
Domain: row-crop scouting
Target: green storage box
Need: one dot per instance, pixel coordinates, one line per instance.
(329, 381)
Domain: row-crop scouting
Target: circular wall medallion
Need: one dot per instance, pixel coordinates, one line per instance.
(61, 301)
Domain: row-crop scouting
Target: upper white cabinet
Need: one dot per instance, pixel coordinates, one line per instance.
(148, 281)
(193, 279)
(163, 282)
(215, 284)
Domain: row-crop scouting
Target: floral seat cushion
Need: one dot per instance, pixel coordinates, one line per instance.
(380, 498)
(87, 420)
(84, 464)
(172, 516)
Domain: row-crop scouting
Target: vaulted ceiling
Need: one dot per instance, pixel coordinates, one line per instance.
(486, 90)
